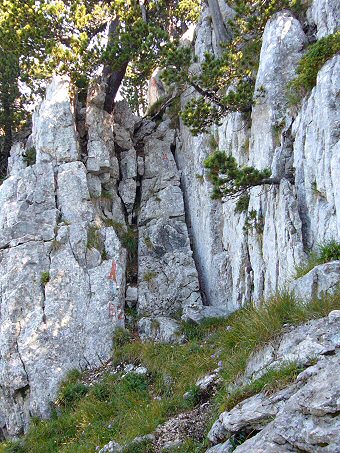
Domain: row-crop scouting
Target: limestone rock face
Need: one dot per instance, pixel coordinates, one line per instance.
(167, 276)
(317, 158)
(325, 15)
(54, 118)
(58, 308)
(262, 245)
(302, 416)
(323, 279)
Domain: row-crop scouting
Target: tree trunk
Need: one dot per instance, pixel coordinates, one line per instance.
(273, 181)
(8, 137)
(220, 30)
(114, 78)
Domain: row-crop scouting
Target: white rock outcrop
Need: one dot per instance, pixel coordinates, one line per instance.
(58, 308)
(302, 416)
(250, 255)
(167, 277)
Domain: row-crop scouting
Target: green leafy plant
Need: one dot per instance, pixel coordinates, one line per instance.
(30, 156)
(45, 278)
(121, 336)
(325, 252)
(316, 56)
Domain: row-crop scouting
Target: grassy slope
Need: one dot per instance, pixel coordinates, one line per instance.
(122, 408)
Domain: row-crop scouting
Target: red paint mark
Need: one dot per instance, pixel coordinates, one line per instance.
(113, 273)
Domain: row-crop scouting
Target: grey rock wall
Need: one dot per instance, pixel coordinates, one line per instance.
(58, 309)
(240, 259)
(302, 416)
(167, 277)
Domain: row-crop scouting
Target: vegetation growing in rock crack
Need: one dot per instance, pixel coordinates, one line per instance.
(122, 406)
(30, 156)
(324, 252)
(45, 278)
(316, 56)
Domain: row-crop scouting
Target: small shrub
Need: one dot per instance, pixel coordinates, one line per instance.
(329, 251)
(30, 156)
(71, 393)
(45, 278)
(149, 276)
(316, 56)
(325, 252)
(121, 337)
(136, 382)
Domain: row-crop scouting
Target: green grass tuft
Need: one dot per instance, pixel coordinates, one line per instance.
(45, 278)
(93, 237)
(316, 56)
(325, 252)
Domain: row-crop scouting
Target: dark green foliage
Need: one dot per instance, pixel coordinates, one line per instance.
(226, 82)
(70, 393)
(316, 56)
(121, 337)
(329, 251)
(229, 179)
(136, 382)
(242, 203)
(30, 156)
(325, 252)
(45, 278)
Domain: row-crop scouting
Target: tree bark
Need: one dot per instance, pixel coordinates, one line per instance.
(220, 30)
(114, 78)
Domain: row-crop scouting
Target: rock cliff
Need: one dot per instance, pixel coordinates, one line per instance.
(237, 260)
(100, 212)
